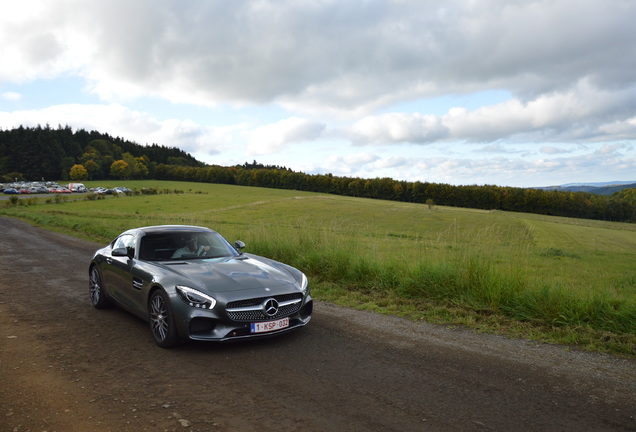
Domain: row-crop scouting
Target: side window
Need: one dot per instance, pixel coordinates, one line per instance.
(126, 241)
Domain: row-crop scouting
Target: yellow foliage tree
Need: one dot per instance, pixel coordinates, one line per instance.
(120, 169)
(78, 172)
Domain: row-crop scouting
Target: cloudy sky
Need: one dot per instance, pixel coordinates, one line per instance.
(515, 93)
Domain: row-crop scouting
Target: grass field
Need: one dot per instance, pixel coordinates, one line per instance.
(552, 279)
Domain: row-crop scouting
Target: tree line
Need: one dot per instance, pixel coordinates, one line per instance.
(43, 152)
(620, 207)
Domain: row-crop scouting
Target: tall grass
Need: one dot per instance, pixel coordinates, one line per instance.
(462, 275)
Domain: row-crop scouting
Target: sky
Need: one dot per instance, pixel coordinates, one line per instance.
(463, 92)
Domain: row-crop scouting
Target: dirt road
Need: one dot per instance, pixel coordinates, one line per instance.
(65, 366)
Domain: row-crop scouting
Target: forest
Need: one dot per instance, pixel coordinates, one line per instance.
(46, 153)
(33, 154)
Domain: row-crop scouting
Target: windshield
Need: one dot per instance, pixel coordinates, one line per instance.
(184, 246)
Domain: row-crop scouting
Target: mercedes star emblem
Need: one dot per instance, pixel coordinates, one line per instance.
(270, 307)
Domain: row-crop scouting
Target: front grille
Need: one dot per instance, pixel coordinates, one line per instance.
(251, 309)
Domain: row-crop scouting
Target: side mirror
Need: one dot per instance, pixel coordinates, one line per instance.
(123, 252)
(120, 252)
(238, 245)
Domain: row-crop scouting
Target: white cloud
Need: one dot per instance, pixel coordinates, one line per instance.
(41, 39)
(398, 128)
(621, 129)
(610, 149)
(11, 96)
(392, 162)
(494, 148)
(580, 113)
(275, 137)
(333, 55)
(348, 165)
(553, 150)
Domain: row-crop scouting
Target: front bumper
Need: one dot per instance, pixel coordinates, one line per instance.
(202, 325)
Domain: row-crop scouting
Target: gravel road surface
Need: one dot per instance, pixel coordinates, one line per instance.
(65, 366)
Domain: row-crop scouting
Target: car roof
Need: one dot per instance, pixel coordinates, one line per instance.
(156, 229)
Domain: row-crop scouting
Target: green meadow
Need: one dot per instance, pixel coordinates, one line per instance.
(551, 279)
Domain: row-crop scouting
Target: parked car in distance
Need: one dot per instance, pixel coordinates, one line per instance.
(60, 189)
(189, 283)
(77, 187)
(102, 191)
(11, 190)
(39, 190)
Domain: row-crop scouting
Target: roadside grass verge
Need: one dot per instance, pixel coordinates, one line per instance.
(550, 279)
(460, 285)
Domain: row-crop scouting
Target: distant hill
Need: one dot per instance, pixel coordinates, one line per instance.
(606, 188)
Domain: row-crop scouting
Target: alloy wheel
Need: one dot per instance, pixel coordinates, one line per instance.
(159, 318)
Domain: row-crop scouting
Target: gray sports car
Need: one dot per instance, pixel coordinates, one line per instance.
(189, 283)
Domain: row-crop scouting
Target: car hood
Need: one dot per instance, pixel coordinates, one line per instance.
(231, 274)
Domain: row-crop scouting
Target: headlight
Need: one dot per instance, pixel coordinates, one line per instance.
(304, 283)
(195, 298)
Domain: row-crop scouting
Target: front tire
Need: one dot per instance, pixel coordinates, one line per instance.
(99, 298)
(161, 320)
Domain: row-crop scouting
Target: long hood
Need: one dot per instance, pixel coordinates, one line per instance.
(231, 274)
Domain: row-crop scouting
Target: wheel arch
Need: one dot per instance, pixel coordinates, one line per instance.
(91, 266)
(175, 338)
(151, 290)
(103, 299)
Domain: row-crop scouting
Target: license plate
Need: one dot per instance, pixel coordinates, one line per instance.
(262, 327)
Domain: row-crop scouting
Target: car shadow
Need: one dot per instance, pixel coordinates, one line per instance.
(119, 323)
(274, 342)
